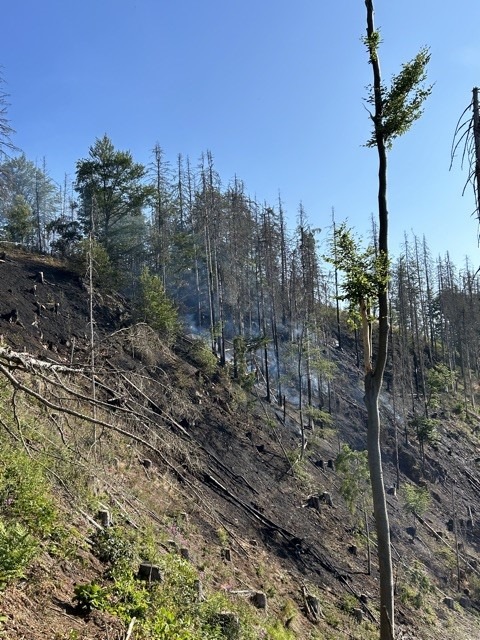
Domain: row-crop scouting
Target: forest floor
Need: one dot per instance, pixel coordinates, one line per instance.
(229, 476)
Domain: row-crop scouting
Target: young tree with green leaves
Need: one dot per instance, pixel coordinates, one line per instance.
(23, 178)
(352, 466)
(393, 110)
(19, 223)
(155, 308)
(415, 500)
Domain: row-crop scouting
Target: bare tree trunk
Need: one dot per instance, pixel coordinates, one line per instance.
(337, 300)
(476, 136)
(92, 335)
(372, 391)
(374, 377)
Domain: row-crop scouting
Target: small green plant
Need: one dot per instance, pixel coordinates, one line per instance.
(289, 610)
(276, 631)
(25, 494)
(332, 617)
(222, 536)
(129, 597)
(27, 512)
(105, 276)
(415, 586)
(260, 570)
(426, 430)
(111, 546)
(203, 356)
(459, 408)
(349, 603)
(90, 596)
(167, 626)
(320, 418)
(416, 499)
(17, 549)
(439, 380)
(352, 466)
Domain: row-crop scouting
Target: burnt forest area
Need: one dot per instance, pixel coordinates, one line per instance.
(177, 449)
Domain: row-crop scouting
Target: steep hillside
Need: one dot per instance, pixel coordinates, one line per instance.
(155, 456)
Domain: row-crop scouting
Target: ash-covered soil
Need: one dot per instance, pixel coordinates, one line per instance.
(233, 466)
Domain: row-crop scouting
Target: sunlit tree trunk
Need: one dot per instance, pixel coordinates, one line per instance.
(374, 376)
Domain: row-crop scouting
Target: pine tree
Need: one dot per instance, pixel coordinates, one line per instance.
(112, 196)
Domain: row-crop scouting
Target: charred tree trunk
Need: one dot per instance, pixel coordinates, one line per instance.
(476, 138)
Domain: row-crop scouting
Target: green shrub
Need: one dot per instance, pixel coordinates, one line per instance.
(129, 598)
(416, 499)
(17, 549)
(415, 587)
(90, 596)
(167, 626)
(25, 494)
(27, 512)
(321, 418)
(439, 379)
(203, 357)
(352, 467)
(112, 547)
(277, 631)
(105, 275)
(426, 429)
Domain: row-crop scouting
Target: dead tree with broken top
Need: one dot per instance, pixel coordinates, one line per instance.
(467, 134)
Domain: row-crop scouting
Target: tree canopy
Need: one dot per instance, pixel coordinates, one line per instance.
(112, 193)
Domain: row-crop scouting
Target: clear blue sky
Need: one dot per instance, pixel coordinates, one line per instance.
(273, 88)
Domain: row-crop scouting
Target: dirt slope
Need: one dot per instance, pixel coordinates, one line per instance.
(222, 463)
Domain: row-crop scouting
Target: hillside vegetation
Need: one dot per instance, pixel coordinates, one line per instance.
(244, 524)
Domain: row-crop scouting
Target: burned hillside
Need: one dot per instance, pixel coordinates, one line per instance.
(191, 470)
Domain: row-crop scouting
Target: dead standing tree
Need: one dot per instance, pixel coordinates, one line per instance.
(467, 132)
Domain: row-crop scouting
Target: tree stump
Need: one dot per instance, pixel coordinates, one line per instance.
(259, 599)
(199, 590)
(104, 517)
(313, 502)
(358, 615)
(226, 555)
(150, 572)
(312, 607)
(327, 498)
(229, 623)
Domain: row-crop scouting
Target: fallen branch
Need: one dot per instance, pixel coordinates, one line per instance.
(130, 628)
(27, 362)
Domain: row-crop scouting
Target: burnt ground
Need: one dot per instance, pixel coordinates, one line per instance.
(227, 468)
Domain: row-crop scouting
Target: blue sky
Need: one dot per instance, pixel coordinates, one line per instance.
(273, 88)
